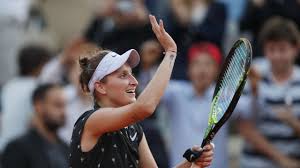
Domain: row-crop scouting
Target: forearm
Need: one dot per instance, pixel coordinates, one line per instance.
(151, 95)
(146, 157)
(295, 124)
(260, 143)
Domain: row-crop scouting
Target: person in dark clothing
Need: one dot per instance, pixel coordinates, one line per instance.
(120, 25)
(257, 12)
(192, 21)
(16, 93)
(108, 135)
(269, 109)
(40, 146)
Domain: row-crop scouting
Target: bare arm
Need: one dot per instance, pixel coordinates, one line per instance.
(146, 158)
(286, 115)
(111, 119)
(295, 124)
(249, 132)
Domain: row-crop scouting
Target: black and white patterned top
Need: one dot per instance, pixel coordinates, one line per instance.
(118, 149)
(271, 98)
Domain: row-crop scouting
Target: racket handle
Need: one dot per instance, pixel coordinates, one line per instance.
(191, 156)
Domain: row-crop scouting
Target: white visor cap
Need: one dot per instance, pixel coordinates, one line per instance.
(111, 62)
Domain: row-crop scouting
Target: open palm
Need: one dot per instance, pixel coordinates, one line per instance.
(163, 37)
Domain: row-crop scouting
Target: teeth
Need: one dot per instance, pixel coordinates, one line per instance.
(130, 91)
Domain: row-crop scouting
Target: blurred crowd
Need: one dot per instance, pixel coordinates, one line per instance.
(41, 98)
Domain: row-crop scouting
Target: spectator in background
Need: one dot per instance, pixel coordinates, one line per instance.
(120, 25)
(57, 70)
(270, 123)
(188, 104)
(195, 21)
(151, 55)
(15, 96)
(257, 12)
(14, 15)
(65, 69)
(234, 9)
(40, 146)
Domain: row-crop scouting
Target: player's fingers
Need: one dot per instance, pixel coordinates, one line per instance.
(153, 20)
(197, 148)
(155, 26)
(207, 154)
(161, 26)
(205, 159)
(213, 145)
(208, 147)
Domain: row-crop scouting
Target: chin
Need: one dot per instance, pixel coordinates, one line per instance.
(128, 102)
(132, 101)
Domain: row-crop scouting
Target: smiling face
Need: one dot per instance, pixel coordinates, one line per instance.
(118, 88)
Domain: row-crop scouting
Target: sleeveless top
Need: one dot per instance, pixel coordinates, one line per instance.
(117, 149)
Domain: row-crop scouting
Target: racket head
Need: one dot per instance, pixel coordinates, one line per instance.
(229, 86)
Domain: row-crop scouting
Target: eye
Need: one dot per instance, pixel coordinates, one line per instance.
(124, 75)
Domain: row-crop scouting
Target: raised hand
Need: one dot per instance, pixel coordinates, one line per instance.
(163, 37)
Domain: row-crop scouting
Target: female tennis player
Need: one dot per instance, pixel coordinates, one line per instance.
(108, 136)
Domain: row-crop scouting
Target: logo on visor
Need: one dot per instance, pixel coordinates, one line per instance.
(114, 55)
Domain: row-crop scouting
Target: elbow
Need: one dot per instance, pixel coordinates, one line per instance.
(144, 110)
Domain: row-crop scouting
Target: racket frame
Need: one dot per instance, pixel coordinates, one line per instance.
(237, 94)
(193, 155)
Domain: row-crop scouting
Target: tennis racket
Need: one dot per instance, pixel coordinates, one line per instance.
(229, 87)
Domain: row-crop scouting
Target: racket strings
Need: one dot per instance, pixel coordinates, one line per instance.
(232, 77)
(230, 82)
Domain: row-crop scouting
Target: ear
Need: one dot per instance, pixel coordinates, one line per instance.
(100, 87)
(38, 107)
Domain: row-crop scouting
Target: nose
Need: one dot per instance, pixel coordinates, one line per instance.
(133, 81)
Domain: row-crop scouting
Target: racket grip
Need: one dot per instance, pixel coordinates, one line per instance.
(191, 156)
